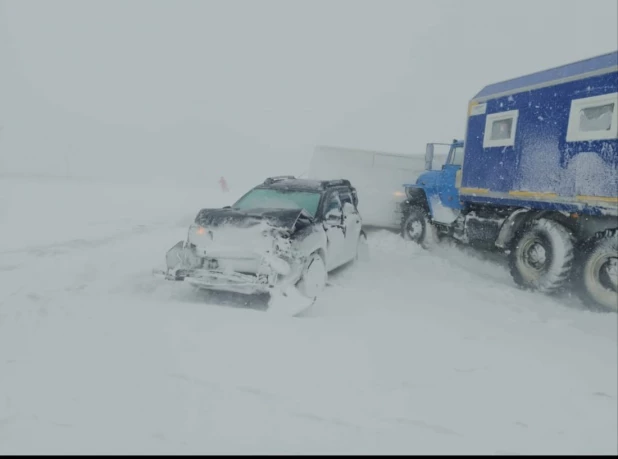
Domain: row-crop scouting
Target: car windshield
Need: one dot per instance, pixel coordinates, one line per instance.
(279, 199)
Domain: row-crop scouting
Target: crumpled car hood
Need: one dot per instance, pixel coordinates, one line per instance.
(288, 219)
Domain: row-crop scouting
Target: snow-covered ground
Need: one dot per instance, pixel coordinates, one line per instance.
(413, 352)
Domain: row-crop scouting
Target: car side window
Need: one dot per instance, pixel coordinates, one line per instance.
(346, 196)
(333, 203)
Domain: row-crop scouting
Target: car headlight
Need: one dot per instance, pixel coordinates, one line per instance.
(199, 230)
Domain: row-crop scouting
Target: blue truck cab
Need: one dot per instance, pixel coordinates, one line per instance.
(536, 178)
(440, 187)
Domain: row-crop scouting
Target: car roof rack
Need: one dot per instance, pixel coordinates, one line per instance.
(278, 178)
(338, 182)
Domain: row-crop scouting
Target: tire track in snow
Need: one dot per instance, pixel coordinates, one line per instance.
(449, 283)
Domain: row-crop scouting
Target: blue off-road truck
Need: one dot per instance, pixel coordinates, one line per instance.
(536, 177)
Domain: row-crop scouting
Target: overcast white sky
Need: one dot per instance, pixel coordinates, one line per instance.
(207, 88)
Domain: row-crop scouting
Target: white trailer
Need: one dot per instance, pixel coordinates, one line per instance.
(377, 176)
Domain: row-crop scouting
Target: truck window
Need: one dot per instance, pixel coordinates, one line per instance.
(500, 129)
(593, 118)
(596, 118)
(458, 155)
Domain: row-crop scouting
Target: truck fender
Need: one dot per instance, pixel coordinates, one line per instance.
(519, 217)
(416, 196)
(511, 226)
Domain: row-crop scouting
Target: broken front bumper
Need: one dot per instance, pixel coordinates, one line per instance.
(228, 282)
(272, 273)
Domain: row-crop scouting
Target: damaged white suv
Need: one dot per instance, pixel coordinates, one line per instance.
(283, 237)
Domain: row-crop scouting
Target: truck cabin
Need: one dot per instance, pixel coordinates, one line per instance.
(454, 158)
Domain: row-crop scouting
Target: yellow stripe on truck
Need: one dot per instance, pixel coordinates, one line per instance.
(613, 200)
(474, 190)
(533, 194)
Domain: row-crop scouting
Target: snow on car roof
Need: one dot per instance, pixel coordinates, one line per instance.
(294, 184)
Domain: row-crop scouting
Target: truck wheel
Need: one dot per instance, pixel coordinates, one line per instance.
(541, 257)
(415, 226)
(597, 276)
(313, 280)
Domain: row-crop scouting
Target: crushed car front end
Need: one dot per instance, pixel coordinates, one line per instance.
(240, 252)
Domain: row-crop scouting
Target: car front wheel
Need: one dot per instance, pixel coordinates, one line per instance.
(314, 277)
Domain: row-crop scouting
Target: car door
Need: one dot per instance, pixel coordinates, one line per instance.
(335, 231)
(352, 224)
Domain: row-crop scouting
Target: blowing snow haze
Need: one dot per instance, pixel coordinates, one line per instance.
(193, 90)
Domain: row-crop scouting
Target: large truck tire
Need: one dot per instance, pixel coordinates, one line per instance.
(597, 274)
(541, 256)
(416, 227)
